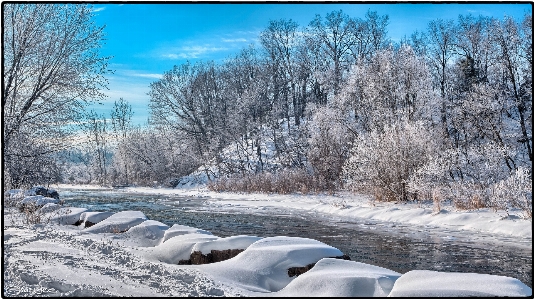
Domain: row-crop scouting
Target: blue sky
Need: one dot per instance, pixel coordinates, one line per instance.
(146, 40)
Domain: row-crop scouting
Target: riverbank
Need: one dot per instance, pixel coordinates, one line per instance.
(511, 227)
(66, 260)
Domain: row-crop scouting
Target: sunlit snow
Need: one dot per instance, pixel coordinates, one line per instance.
(126, 254)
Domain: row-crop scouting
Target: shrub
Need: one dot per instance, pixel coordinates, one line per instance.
(283, 182)
(382, 162)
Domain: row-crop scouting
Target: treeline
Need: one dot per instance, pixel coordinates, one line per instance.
(442, 114)
(445, 113)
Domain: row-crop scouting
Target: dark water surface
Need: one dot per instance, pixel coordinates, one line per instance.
(392, 246)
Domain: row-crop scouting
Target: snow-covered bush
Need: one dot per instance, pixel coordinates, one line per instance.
(475, 177)
(515, 191)
(382, 162)
(329, 145)
(12, 197)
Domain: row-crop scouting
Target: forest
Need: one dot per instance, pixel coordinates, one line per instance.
(444, 114)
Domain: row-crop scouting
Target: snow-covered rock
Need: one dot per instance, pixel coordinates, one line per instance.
(178, 248)
(263, 266)
(342, 278)
(426, 283)
(233, 242)
(67, 216)
(12, 193)
(91, 218)
(178, 230)
(146, 234)
(38, 200)
(49, 207)
(40, 190)
(118, 222)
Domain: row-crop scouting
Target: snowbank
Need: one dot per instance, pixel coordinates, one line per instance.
(345, 279)
(422, 283)
(118, 222)
(126, 254)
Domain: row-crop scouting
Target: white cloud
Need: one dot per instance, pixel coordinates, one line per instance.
(187, 52)
(234, 40)
(141, 75)
(99, 9)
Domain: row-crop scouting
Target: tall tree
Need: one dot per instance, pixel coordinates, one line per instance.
(52, 67)
(514, 59)
(280, 41)
(441, 37)
(97, 131)
(121, 117)
(334, 37)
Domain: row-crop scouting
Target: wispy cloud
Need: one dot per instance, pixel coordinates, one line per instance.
(97, 9)
(190, 52)
(234, 40)
(208, 46)
(479, 12)
(142, 75)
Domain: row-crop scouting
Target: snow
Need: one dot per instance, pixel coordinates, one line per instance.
(177, 230)
(118, 222)
(176, 248)
(424, 283)
(345, 279)
(148, 233)
(126, 254)
(38, 200)
(49, 207)
(66, 215)
(233, 242)
(263, 266)
(94, 217)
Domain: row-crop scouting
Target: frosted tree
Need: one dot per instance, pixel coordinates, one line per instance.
(382, 161)
(96, 128)
(280, 42)
(392, 86)
(334, 38)
(52, 67)
(513, 55)
(121, 117)
(441, 38)
(328, 145)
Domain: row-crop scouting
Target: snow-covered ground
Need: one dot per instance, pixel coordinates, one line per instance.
(124, 254)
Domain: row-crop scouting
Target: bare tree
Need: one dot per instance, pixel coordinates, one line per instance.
(440, 49)
(334, 36)
(97, 131)
(51, 68)
(121, 117)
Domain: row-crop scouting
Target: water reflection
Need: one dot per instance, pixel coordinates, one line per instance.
(392, 246)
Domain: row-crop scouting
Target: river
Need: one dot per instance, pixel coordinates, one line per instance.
(392, 246)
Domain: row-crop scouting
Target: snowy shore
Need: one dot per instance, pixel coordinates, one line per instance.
(58, 260)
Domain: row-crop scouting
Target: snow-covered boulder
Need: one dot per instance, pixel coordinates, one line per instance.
(146, 234)
(118, 222)
(38, 200)
(40, 190)
(178, 248)
(426, 283)
(89, 219)
(67, 216)
(49, 207)
(263, 266)
(342, 278)
(233, 242)
(178, 230)
(220, 249)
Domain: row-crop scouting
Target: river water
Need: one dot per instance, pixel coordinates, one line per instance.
(392, 246)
